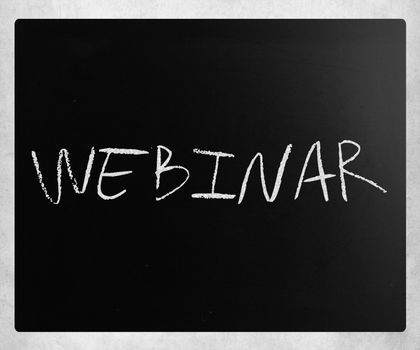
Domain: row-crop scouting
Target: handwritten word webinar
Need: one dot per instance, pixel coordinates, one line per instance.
(164, 165)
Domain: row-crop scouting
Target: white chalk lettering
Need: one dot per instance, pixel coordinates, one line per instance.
(103, 174)
(321, 177)
(162, 167)
(344, 171)
(212, 194)
(64, 153)
(279, 176)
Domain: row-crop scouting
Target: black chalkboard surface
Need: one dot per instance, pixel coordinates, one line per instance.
(210, 175)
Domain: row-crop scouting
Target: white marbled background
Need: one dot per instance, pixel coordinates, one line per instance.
(10, 10)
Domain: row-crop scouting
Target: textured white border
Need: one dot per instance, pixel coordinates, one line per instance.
(10, 10)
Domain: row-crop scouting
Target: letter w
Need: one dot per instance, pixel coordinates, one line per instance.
(64, 153)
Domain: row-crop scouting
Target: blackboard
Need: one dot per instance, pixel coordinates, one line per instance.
(166, 234)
